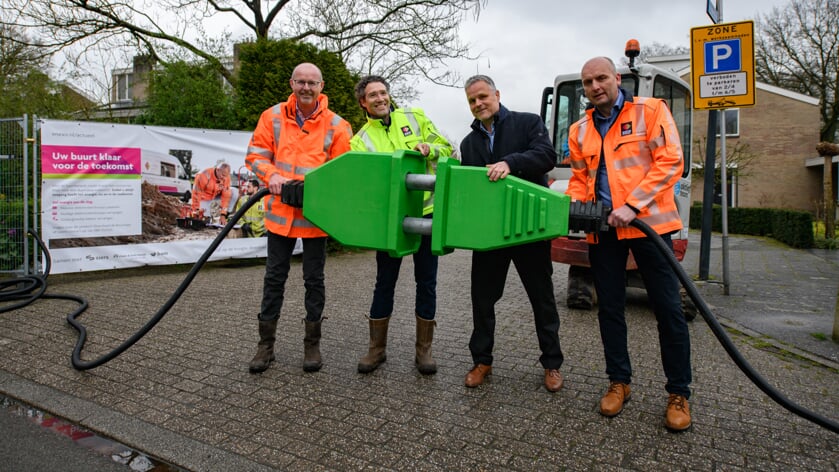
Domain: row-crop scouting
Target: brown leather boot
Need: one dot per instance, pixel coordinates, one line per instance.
(265, 347)
(425, 335)
(378, 343)
(612, 402)
(311, 346)
(677, 417)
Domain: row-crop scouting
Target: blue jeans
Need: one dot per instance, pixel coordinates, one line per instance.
(277, 267)
(425, 275)
(608, 265)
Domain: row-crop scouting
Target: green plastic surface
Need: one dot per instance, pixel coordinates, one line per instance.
(360, 199)
(470, 212)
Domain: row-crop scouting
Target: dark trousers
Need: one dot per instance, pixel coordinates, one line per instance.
(425, 275)
(277, 266)
(489, 275)
(608, 264)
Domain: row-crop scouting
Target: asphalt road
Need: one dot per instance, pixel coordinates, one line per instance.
(33, 441)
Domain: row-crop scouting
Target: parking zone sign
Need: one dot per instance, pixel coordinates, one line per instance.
(722, 65)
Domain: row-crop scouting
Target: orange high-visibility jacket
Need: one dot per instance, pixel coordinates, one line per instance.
(208, 186)
(280, 146)
(644, 161)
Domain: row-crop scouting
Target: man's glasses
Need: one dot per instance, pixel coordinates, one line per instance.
(309, 83)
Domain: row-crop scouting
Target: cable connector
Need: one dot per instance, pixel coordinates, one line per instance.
(587, 217)
(292, 193)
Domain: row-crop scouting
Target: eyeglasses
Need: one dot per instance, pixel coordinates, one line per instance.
(304, 83)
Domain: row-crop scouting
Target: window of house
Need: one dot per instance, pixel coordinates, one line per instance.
(732, 122)
(123, 86)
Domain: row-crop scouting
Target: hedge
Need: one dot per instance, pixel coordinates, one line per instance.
(791, 227)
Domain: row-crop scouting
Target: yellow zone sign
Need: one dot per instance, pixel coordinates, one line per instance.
(722, 65)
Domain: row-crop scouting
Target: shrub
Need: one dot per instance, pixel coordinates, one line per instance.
(791, 227)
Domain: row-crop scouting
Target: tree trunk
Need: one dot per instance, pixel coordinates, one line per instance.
(829, 201)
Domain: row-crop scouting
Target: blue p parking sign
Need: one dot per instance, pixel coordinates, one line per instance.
(722, 65)
(722, 56)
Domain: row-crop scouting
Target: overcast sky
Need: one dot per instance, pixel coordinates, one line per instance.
(526, 43)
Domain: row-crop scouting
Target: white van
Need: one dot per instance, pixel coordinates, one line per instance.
(166, 172)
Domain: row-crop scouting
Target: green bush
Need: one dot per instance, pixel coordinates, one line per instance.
(791, 227)
(11, 234)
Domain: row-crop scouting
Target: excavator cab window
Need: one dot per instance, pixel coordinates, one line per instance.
(571, 103)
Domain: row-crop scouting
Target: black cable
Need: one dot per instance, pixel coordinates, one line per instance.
(723, 338)
(39, 283)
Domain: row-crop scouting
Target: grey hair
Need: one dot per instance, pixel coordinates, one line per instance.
(479, 78)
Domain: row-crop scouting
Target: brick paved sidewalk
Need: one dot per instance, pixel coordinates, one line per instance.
(183, 393)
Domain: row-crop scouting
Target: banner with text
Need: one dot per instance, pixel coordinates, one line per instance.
(92, 202)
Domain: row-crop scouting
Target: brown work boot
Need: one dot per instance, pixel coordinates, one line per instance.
(311, 346)
(677, 417)
(611, 404)
(477, 375)
(376, 354)
(425, 334)
(553, 380)
(265, 347)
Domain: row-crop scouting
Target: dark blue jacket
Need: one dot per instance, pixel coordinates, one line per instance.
(521, 140)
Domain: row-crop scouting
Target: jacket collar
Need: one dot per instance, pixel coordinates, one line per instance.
(373, 121)
(502, 114)
(291, 106)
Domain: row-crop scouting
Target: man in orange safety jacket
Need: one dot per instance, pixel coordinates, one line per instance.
(626, 153)
(214, 184)
(290, 139)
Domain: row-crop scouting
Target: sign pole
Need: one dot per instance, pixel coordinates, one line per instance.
(724, 186)
(708, 196)
(724, 177)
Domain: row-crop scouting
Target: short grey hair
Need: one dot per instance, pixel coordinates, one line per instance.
(479, 78)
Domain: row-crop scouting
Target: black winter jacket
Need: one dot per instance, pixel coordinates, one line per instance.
(521, 140)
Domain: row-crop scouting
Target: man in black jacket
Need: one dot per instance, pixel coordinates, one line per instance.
(510, 143)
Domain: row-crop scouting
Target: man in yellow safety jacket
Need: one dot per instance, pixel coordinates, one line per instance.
(253, 221)
(389, 129)
(290, 139)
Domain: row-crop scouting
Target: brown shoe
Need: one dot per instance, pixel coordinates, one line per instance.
(612, 402)
(553, 380)
(677, 417)
(476, 376)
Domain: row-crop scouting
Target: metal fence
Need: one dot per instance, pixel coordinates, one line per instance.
(18, 208)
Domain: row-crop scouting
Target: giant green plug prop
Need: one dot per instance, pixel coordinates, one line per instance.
(372, 200)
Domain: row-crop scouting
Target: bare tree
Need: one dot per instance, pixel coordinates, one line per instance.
(797, 48)
(738, 160)
(827, 151)
(390, 37)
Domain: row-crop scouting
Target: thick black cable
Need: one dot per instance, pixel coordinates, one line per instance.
(726, 342)
(29, 283)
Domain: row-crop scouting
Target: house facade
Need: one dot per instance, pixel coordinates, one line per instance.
(770, 147)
